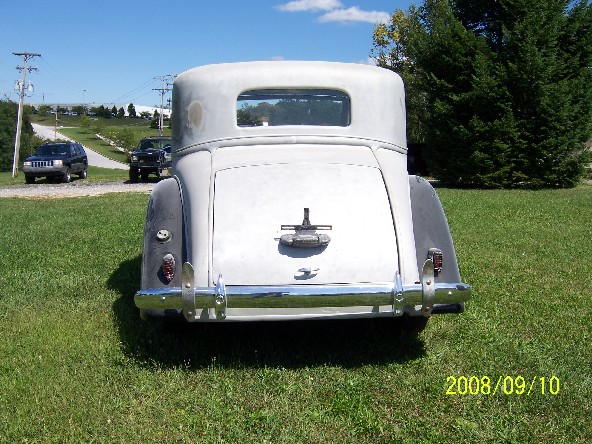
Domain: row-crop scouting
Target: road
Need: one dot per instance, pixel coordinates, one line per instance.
(94, 158)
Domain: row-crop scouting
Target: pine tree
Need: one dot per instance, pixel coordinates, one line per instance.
(507, 87)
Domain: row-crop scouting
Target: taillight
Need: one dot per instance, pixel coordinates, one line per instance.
(437, 257)
(168, 267)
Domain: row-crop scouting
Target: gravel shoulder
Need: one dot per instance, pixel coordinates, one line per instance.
(73, 189)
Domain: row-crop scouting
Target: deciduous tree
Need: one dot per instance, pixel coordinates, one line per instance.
(131, 110)
(8, 117)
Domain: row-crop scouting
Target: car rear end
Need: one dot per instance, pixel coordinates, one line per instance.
(264, 222)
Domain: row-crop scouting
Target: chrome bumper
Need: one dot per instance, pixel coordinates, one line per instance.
(192, 301)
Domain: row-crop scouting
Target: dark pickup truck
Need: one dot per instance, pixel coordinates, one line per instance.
(153, 156)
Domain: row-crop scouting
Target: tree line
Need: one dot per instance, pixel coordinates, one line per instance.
(499, 92)
(98, 111)
(8, 116)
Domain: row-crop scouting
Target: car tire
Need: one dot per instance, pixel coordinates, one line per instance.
(133, 175)
(83, 174)
(29, 179)
(67, 177)
(144, 175)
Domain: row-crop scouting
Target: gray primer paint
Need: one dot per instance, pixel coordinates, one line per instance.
(430, 228)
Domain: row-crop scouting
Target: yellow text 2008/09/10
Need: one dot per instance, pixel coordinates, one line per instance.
(507, 385)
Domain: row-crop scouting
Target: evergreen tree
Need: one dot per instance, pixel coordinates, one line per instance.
(508, 87)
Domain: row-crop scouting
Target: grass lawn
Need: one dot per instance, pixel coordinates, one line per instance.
(87, 138)
(78, 365)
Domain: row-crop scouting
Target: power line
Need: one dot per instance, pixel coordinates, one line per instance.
(64, 82)
(21, 88)
(136, 90)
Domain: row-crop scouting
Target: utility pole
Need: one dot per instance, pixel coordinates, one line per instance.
(165, 87)
(21, 90)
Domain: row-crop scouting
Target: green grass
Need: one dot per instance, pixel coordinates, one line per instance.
(78, 365)
(89, 139)
(95, 174)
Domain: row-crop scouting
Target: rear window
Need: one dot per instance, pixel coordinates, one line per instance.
(276, 107)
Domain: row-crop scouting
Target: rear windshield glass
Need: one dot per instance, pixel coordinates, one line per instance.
(274, 107)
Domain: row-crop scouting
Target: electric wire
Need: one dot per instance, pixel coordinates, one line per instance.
(136, 93)
(65, 83)
(54, 74)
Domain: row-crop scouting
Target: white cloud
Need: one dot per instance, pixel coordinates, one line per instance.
(310, 5)
(354, 14)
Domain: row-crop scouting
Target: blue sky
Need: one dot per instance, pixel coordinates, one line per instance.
(109, 51)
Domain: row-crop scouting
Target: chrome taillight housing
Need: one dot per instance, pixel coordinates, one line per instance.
(168, 267)
(437, 258)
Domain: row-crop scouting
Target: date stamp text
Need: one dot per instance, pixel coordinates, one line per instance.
(507, 385)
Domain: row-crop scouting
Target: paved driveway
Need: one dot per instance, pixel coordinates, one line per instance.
(94, 158)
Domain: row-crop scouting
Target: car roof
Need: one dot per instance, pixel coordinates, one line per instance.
(205, 100)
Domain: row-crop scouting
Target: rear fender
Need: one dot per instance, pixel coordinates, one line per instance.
(430, 228)
(163, 235)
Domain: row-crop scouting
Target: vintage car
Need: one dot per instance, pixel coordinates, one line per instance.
(290, 199)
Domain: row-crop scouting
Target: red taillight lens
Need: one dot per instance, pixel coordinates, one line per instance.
(437, 257)
(168, 267)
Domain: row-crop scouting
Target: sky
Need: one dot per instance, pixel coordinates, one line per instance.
(109, 52)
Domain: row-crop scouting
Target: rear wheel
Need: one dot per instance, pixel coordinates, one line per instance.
(83, 174)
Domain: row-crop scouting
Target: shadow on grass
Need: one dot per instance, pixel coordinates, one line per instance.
(149, 179)
(290, 344)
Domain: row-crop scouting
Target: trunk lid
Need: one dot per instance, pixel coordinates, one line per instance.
(251, 203)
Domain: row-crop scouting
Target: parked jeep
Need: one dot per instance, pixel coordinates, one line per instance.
(56, 160)
(290, 199)
(153, 156)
